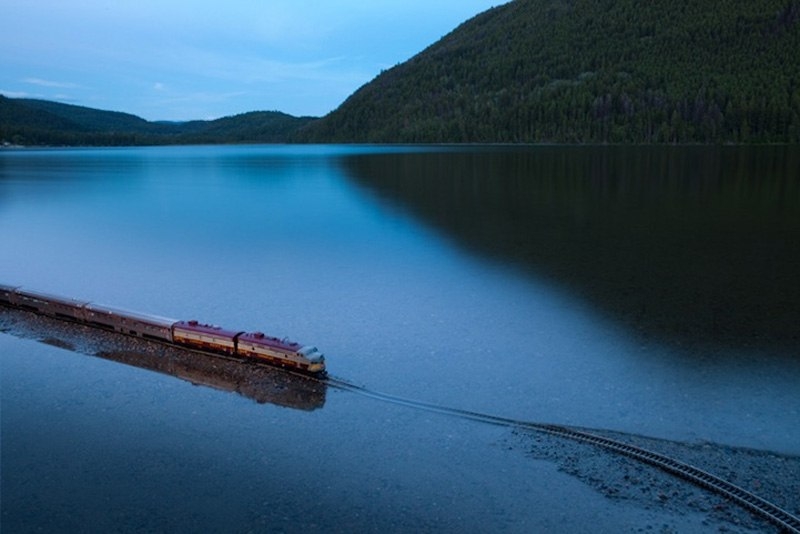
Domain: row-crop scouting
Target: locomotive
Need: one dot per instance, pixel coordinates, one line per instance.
(193, 334)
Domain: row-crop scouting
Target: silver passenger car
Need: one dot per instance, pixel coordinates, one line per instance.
(6, 293)
(47, 304)
(129, 322)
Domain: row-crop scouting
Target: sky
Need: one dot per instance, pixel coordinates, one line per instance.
(202, 59)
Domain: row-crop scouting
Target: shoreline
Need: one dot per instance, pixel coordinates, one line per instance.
(772, 476)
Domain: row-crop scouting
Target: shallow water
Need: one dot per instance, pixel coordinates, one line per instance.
(644, 290)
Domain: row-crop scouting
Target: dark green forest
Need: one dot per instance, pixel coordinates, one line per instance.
(530, 71)
(40, 122)
(579, 71)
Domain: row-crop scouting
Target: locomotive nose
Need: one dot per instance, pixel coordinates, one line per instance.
(317, 365)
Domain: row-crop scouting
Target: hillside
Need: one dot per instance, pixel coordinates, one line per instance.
(591, 71)
(40, 122)
(530, 71)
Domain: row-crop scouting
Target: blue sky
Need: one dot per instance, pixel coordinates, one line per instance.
(198, 59)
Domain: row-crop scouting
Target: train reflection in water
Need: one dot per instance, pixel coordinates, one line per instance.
(262, 383)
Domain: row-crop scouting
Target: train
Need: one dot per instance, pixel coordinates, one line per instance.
(255, 346)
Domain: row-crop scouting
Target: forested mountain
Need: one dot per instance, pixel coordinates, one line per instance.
(40, 122)
(592, 71)
(530, 71)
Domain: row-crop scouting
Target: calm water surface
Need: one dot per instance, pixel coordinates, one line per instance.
(645, 290)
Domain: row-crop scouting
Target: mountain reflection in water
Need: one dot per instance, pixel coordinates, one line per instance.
(685, 244)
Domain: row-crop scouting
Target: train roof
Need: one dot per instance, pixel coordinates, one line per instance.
(200, 328)
(259, 338)
(7, 290)
(143, 317)
(50, 297)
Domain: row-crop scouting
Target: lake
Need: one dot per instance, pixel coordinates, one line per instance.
(644, 290)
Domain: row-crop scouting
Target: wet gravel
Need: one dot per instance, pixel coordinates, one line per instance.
(773, 477)
(259, 382)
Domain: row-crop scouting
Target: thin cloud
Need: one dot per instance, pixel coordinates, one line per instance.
(15, 94)
(298, 56)
(50, 83)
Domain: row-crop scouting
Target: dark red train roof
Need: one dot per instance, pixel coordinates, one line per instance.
(200, 328)
(259, 338)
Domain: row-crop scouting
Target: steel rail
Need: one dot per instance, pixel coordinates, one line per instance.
(749, 501)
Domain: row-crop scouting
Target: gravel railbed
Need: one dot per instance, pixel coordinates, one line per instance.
(773, 477)
(259, 382)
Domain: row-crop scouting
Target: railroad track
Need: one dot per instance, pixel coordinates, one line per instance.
(749, 501)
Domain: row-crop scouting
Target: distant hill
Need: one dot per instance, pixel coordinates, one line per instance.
(88, 119)
(591, 71)
(41, 122)
(530, 71)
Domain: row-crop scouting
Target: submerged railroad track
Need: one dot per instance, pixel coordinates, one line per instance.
(712, 483)
(747, 500)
